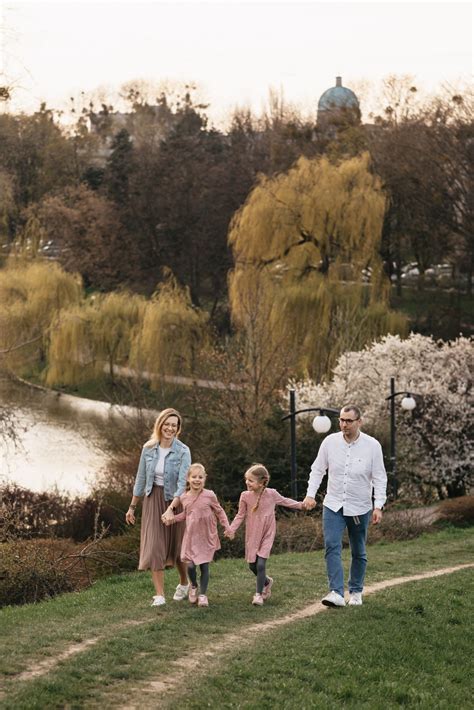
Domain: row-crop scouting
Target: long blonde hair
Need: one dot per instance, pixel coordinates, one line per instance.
(160, 420)
(259, 472)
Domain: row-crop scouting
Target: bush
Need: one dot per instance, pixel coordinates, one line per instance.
(27, 514)
(457, 511)
(30, 570)
(119, 553)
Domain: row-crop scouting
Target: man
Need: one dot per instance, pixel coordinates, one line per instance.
(354, 462)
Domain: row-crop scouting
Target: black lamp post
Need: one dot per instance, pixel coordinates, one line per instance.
(408, 403)
(321, 424)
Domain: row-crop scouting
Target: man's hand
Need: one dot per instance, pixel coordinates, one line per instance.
(309, 503)
(376, 516)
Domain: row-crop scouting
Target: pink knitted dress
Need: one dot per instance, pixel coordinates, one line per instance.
(260, 527)
(200, 539)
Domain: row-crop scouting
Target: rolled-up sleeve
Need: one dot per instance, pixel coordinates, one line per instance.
(318, 469)
(379, 476)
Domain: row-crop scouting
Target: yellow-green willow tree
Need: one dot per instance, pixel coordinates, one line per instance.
(89, 337)
(172, 334)
(309, 237)
(31, 296)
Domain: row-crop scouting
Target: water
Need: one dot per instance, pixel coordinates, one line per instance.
(58, 440)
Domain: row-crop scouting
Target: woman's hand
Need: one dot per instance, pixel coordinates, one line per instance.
(130, 516)
(229, 534)
(168, 516)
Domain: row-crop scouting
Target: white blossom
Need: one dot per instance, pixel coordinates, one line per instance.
(435, 449)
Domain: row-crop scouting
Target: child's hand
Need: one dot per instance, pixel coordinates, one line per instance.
(229, 534)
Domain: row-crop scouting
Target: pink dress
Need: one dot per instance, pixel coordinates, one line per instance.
(200, 539)
(260, 525)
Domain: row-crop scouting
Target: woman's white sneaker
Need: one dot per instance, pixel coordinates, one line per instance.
(333, 599)
(158, 600)
(355, 599)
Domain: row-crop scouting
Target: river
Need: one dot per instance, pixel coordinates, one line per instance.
(58, 440)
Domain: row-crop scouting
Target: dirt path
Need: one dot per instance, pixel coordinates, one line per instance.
(198, 663)
(48, 664)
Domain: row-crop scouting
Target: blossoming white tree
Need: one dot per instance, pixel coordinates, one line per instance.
(435, 450)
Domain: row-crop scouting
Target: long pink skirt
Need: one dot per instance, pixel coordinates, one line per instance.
(160, 545)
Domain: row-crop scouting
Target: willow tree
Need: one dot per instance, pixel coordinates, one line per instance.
(98, 334)
(172, 332)
(311, 236)
(31, 296)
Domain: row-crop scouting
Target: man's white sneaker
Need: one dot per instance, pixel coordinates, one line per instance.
(158, 600)
(181, 592)
(355, 599)
(333, 599)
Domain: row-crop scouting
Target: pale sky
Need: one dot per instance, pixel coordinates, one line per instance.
(234, 51)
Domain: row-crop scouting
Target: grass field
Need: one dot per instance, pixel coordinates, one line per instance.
(409, 645)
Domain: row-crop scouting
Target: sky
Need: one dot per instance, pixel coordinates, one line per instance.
(234, 51)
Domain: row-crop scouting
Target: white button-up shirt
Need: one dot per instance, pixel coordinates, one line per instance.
(353, 471)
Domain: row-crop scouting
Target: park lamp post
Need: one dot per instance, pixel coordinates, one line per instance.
(408, 403)
(321, 425)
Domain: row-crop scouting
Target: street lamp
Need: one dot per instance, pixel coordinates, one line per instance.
(321, 424)
(408, 403)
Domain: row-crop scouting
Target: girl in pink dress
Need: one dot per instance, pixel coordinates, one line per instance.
(257, 505)
(200, 541)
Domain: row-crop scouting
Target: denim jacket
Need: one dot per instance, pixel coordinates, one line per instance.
(177, 463)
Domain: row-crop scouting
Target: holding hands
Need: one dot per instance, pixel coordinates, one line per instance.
(168, 516)
(309, 503)
(229, 534)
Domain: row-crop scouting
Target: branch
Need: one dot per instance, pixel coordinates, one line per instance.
(21, 345)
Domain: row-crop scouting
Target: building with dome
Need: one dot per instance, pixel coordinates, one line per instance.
(338, 107)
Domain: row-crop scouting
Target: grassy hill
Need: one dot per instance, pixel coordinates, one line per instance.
(407, 645)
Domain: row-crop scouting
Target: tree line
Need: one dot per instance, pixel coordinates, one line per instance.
(121, 200)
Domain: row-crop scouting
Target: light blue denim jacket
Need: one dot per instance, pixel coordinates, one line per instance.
(177, 463)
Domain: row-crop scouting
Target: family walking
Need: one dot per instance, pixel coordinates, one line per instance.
(180, 515)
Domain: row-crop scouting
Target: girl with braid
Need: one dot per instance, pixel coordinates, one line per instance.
(257, 505)
(201, 512)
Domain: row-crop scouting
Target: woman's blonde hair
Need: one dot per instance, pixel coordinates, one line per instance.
(259, 472)
(160, 420)
(194, 465)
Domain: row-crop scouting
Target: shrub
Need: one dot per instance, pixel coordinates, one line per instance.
(31, 570)
(27, 514)
(119, 553)
(457, 511)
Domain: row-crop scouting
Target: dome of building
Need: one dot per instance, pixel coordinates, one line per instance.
(338, 97)
(338, 107)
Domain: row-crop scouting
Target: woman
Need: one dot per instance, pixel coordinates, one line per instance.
(161, 478)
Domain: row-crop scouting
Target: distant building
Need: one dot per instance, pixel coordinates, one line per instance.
(337, 107)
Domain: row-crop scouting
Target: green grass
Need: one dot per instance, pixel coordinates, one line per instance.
(125, 655)
(407, 646)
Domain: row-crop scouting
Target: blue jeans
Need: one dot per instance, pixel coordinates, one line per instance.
(334, 525)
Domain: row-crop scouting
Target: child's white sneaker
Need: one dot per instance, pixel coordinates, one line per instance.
(181, 592)
(257, 599)
(267, 590)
